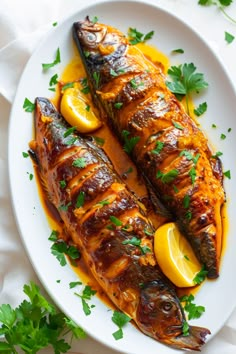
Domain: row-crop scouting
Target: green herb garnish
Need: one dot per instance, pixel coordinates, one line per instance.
(227, 174)
(136, 37)
(221, 4)
(80, 162)
(192, 309)
(178, 50)
(201, 276)
(55, 62)
(185, 80)
(167, 177)
(28, 105)
(118, 105)
(87, 294)
(115, 221)
(60, 248)
(229, 38)
(134, 241)
(80, 200)
(158, 148)
(120, 319)
(129, 143)
(200, 109)
(69, 131)
(35, 324)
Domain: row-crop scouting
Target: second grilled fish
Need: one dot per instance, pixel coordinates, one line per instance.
(164, 142)
(107, 224)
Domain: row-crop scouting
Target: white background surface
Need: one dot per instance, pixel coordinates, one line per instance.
(22, 25)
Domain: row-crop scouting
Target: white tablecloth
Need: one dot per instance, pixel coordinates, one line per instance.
(22, 24)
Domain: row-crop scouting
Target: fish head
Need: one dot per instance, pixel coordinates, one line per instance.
(97, 38)
(160, 311)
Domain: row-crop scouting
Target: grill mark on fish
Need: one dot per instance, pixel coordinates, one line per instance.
(118, 267)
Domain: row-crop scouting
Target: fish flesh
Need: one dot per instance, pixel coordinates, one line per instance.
(164, 142)
(109, 227)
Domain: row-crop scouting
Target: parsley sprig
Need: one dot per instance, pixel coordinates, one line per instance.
(185, 80)
(129, 142)
(221, 4)
(194, 311)
(35, 324)
(136, 37)
(120, 319)
(87, 294)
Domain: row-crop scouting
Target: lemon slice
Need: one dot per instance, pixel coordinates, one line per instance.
(175, 255)
(77, 111)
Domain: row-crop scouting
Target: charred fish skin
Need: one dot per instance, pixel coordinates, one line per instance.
(170, 150)
(127, 272)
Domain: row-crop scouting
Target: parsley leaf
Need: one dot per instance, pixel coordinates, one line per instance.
(192, 309)
(227, 174)
(87, 293)
(185, 80)
(35, 324)
(200, 276)
(129, 143)
(158, 148)
(167, 177)
(55, 62)
(179, 51)
(136, 242)
(120, 319)
(80, 162)
(28, 105)
(80, 199)
(200, 109)
(60, 248)
(136, 37)
(221, 4)
(115, 221)
(229, 37)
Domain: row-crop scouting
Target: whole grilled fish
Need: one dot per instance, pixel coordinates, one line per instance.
(163, 141)
(109, 227)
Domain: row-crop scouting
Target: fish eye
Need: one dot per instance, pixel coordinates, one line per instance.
(167, 306)
(91, 37)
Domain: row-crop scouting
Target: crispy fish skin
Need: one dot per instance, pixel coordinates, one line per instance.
(129, 275)
(170, 150)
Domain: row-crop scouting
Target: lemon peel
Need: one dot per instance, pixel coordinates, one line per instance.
(77, 111)
(175, 255)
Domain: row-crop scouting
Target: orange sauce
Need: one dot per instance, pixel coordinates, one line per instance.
(121, 162)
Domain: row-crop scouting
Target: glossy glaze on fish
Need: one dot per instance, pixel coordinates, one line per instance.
(168, 148)
(101, 217)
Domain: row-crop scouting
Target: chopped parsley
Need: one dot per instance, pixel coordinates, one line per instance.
(71, 140)
(217, 154)
(136, 37)
(67, 85)
(115, 221)
(202, 108)
(73, 284)
(104, 202)
(185, 329)
(56, 61)
(60, 248)
(98, 140)
(186, 201)
(134, 84)
(96, 77)
(185, 80)
(80, 162)
(223, 136)
(64, 207)
(177, 125)
(84, 83)
(178, 51)
(80, 200)
(87, 294)
(227, 174)
(192, 309)
(200, 276)
(69, 131)
(53, 81)
(94, 19)
(129, 143)
(120, 319)
(167, 177)
(28, 105)
(53, 236)
(229, 38)
(158, 148)
(118, 105)
(134, 241)
(25, 154)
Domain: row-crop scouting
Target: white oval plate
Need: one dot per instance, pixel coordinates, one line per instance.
(170, 33)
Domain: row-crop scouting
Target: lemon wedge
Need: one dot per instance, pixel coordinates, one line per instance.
(77, 111)
(175, 256)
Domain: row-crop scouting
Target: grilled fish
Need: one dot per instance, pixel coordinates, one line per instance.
(107, 224)
(164, 142)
